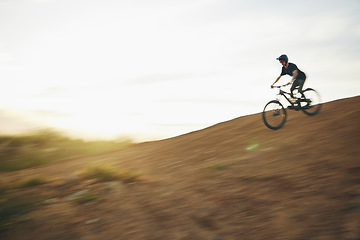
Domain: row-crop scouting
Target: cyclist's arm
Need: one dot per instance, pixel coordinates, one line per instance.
(276, 80)
(295, 74)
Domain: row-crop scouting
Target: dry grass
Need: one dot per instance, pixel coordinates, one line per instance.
(106, 173)
(44, 146)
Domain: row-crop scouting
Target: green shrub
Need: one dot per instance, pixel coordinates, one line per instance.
(129, 176)
(218, 167)
(100, 173)
(3, 188)
(44, 146)
(32, 182)
(103, 174)
(23, 159)
(351, 207)
(86, 197)
(12, 209)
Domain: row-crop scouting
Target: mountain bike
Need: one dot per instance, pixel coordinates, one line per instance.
(274, 114)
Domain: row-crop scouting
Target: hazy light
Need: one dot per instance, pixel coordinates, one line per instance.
(137, 67)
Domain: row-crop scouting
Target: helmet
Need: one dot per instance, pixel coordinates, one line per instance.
(283, 58)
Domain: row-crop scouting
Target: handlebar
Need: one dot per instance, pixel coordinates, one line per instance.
(279, 86)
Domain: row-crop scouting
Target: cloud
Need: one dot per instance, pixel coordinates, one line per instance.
(155, 78)
(51, 92)
(41, 1)
(5, 58)
(48, 114)
(167, 78)
(11, 122)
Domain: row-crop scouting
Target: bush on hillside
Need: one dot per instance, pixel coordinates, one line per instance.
(39, 147)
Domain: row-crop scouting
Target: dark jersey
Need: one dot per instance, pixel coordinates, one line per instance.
(290, 69)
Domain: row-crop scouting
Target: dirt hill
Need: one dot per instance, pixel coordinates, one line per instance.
(235, 180)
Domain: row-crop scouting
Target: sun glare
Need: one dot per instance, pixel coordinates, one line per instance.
(166, 66)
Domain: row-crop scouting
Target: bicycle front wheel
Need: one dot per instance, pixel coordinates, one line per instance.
(274, 115)
(311, 102)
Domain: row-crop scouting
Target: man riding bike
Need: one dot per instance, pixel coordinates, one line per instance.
(298, 77)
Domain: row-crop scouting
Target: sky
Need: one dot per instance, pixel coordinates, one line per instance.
(154, 69)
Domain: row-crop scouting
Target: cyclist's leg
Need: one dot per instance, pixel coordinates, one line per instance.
(293, 86)
(300, 84)
(297, 83)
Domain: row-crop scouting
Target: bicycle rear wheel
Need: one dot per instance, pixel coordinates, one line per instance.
(274, 115)
(311, 102)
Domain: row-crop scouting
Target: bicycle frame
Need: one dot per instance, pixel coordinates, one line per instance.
(286, 95)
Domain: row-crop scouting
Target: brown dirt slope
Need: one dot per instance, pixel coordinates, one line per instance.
(234, 180)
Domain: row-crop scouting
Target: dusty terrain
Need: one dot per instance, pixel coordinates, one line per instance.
(235, 180)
